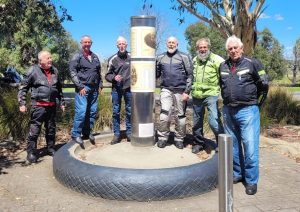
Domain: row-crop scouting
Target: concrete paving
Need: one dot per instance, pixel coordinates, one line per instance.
(34, 188)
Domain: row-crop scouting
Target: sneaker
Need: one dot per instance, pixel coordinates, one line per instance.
(179, 144)
(115, 140)
(128, 138)
(161, 143)
(197, 148)
(31, 158)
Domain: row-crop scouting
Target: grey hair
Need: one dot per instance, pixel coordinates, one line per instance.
(172, 37)
(234, 39)
(86, 36)
(206, 39)
(121, 38)
(41, 53)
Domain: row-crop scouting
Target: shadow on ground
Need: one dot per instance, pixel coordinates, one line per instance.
(11, 153)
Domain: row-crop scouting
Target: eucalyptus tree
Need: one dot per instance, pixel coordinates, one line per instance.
(270, 52)
(296, 62)
(229, 17)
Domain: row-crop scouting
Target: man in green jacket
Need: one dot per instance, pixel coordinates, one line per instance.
(205, 92)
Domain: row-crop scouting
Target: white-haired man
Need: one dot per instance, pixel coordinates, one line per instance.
(46, 88)
(119, 76)
(244, 86)
(175, 70)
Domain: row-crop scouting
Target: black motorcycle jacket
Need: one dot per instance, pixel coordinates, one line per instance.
(119, 64)
(175, 71)
(244, 82)
(41, 90)
(84, 72)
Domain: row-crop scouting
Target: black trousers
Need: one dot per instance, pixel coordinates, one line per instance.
(40, 115)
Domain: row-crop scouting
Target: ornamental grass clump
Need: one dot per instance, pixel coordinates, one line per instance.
(280, 107)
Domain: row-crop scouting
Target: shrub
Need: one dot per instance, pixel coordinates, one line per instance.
(12, 122)
(280, 107)
(104, 114)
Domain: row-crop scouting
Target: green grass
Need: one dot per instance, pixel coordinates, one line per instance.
(68, 90)
(285, 80)
(293, 89)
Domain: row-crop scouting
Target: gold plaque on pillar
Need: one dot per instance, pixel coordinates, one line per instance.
(142, 76)
(143, 42)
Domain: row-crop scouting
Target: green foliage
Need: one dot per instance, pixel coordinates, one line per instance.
(12, 122)
(280, 107)
(16, 124)
(27, 27)
(104, 114)
(200, 30)
(270, 53)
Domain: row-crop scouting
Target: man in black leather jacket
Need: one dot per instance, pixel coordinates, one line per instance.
(46, 89)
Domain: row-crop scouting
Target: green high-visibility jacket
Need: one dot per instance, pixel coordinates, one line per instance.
(206, 77)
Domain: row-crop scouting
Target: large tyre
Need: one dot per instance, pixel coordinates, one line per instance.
(134, 184)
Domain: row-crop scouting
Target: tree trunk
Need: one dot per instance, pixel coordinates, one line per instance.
(245, 29)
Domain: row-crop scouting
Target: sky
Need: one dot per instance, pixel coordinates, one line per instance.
(104, 21)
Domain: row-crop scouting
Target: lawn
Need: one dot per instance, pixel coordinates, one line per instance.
(294, 89)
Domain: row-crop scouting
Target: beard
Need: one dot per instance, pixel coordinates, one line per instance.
(171, 51)
(203, 56)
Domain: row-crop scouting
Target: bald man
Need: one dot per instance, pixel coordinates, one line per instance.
(119, 76)
(175, 69)
(85, 71)
(46, 88)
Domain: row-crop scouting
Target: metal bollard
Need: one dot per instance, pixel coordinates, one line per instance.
(225, 179)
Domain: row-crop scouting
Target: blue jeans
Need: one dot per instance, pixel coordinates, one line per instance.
(214, 117)
(85, 112)
(243, 124)
(116, 104)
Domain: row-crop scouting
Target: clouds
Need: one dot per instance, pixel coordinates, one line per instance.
(264, 16)
(276, 17)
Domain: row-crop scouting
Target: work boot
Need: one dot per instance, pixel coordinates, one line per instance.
(115, 140)
(179, 144)
(237, 179)
(161, 143)
(31, 157)
(51, 151)
(251, 189)
(77, 140)
(197, 148)
(90, 137)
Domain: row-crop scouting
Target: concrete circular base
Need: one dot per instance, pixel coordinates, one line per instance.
(125, 155)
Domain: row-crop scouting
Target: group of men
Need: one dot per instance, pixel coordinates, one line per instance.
(85, 71)
(242, 81)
